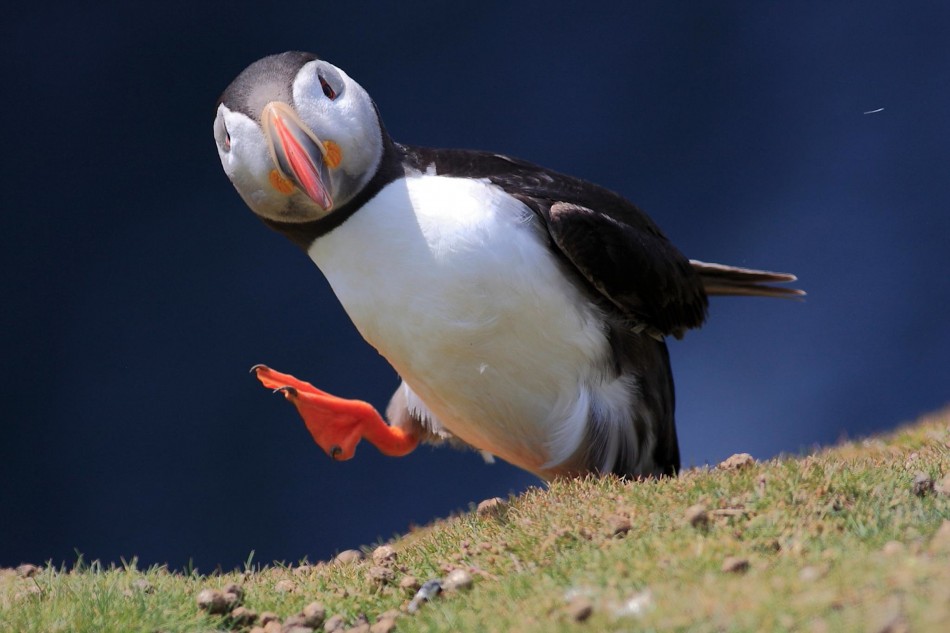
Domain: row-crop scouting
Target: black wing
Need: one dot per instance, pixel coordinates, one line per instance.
(614, 245)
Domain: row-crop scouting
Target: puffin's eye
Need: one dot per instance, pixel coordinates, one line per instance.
(221, 134)
(327, 89)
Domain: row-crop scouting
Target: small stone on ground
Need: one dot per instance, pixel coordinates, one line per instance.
(213, 601)
(269, 616)
(383, 625)
(333, 623)
(619, 525)
(381, 575)
(923, 484)
(348, 556)
(313, 614)
(384, 555)
(697, 516)
(409, 583)
(491, 507)
(737, 462)
(235, 590)
(457, 580)
(242, 616)
(285, 586)
(810, 573)
(735, 565)
(580, 608)
(941, 538)
(143, 585)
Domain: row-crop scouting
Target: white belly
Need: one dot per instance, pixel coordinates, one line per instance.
(469, 306)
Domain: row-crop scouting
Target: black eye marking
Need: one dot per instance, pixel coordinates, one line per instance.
(327, 89)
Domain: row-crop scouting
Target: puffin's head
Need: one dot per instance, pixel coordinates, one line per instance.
(297, 137)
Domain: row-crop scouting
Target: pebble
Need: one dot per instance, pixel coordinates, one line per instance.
(269, 616)
(30, 591)
(890, 618)
(736, 462)
(348, 556)
(735, 565)
(923, 484)
(697, 516)
(580, 608)
(296, 622)
(295, 628)
(941, 538)
(333, 623)
(943, 486)
(273, 627)
(314, 614)
(363, 627)
(236, 590)
(26, 570)
(381, 575)
(141, 584)
(383, 625)
(490, 508)
(619, 525)
(409, 583)
(213, 601)
(458, 580)
(285, 586)
(242, 616)
(892, 547)
(384, 555)
(810, 574)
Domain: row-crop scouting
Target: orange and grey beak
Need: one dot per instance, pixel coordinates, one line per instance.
(300, 157)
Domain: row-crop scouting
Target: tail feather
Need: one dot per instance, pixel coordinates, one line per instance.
(719, 279)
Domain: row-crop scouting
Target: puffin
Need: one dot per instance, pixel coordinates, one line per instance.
(524, 310)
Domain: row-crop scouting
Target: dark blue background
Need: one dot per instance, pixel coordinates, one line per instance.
(137, 289)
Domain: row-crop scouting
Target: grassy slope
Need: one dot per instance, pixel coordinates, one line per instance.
(836, 541)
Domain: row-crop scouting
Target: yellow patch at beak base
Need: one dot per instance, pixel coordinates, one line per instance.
(280, 183)
(333, 156)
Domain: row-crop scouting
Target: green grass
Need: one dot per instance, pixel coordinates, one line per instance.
(835, 541)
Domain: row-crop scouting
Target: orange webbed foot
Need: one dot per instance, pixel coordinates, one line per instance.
(337, 424)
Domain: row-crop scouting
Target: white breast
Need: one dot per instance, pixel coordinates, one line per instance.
(448, 279)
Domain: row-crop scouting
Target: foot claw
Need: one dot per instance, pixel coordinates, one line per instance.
(335, 451)
(287, 390)
(256, 367)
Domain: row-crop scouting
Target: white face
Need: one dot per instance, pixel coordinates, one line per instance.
(298, 161)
